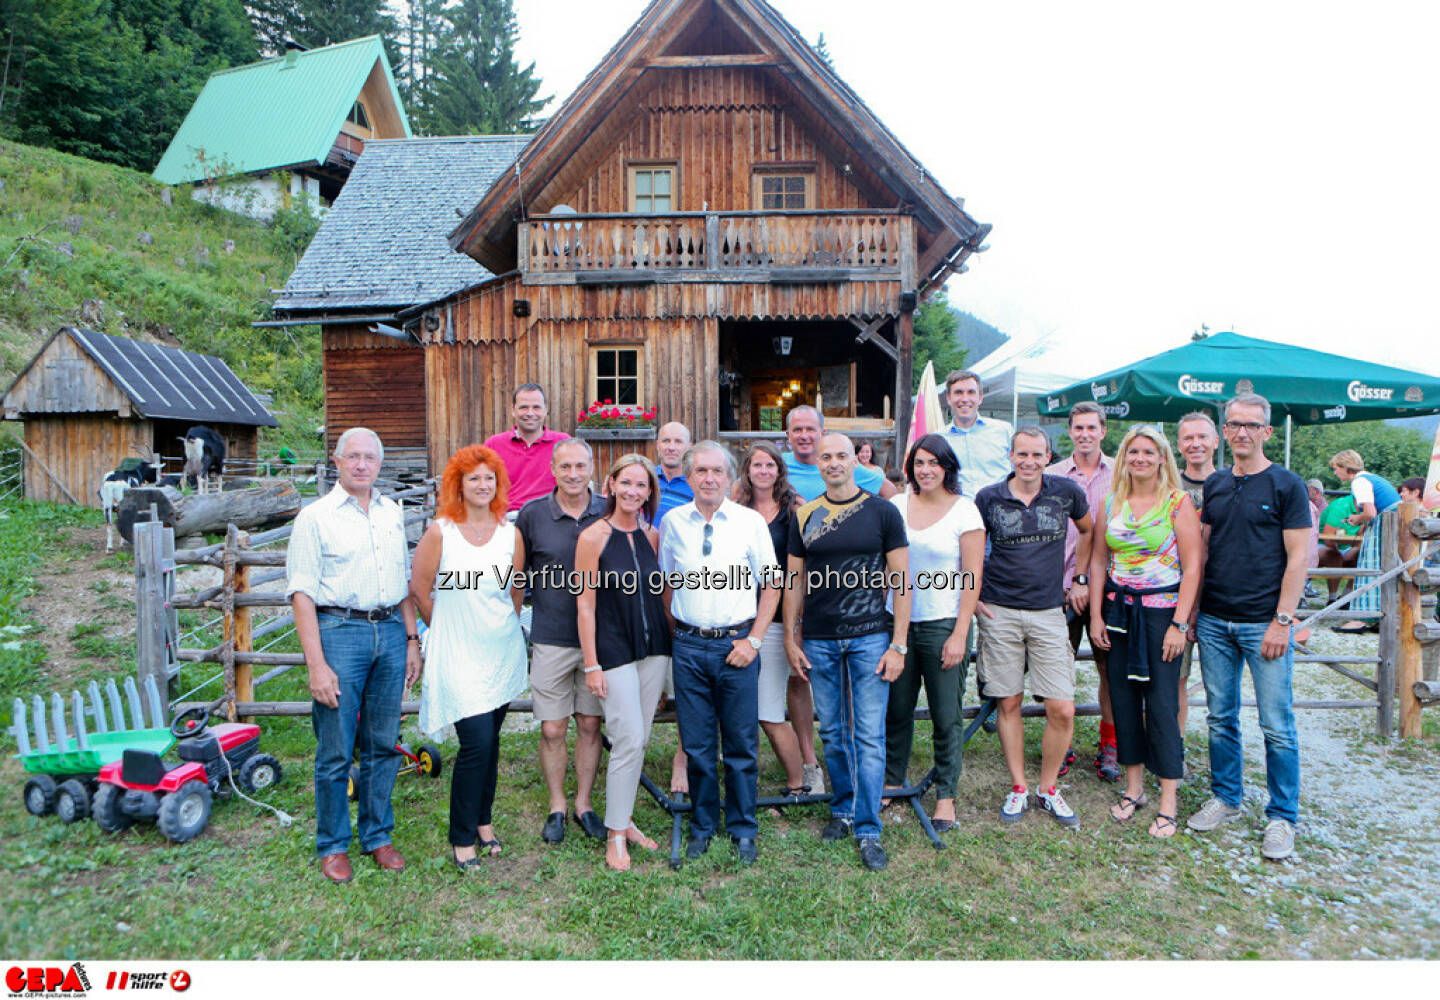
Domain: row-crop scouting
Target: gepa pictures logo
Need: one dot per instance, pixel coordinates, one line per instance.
(1358, 392)
(46, 980)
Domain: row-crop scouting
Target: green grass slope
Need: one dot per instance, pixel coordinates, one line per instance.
(75, 233)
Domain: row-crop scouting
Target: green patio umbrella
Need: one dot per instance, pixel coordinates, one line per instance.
(1304, 385)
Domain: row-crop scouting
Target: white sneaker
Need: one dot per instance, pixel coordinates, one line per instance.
(813, 778)
(1056, 806)
(1212, 814)
(1279, 840)
(1015, 805)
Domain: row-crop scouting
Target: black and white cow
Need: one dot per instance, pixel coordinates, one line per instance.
(204, 457)
(131, 472)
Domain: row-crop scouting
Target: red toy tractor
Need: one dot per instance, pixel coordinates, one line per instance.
(140, 787)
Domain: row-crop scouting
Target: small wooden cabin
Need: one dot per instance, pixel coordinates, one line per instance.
(89, 400)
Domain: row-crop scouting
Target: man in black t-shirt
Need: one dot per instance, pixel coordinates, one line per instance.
(1256, 524)
(847, 549)
(1022, 599)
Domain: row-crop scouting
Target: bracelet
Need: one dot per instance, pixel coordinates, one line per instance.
(591, 670)
(411, 638)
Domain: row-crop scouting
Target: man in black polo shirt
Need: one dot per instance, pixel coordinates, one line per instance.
(1256, 524)
(549, 526)
(1022, 613)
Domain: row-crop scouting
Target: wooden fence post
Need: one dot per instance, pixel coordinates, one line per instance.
(235, 637)
(1385, 672)
(1411, 655)
(154, 568)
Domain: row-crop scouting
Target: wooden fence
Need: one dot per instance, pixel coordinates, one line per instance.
(1401, 682)
(160, 649)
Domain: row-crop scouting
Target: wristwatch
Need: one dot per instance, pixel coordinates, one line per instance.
(899, 648)
(755, 643)
(1284, 619)
(1181, 627)
(1083, 579)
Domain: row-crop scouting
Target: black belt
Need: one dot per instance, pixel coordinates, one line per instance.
(723, 632)
(373, 615)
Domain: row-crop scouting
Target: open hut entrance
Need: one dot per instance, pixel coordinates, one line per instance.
(768, 368)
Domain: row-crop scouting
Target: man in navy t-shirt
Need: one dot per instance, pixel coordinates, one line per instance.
(1255, 520)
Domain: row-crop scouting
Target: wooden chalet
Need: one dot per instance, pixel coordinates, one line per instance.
(258, 137)
(713, 224)
(89, 400)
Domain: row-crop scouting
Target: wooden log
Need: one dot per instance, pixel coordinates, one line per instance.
(1425, 527)
(1387, 672)
(1426, 631)
(1426, 690)
(1410, 654)
(194, 514)
(1425, 577)
(236, 637)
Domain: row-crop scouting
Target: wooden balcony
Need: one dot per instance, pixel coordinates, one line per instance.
(774, 247)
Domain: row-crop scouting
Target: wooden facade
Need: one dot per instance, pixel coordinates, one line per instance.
(374, 381)
(712, 224)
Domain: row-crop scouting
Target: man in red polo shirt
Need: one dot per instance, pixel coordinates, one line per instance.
(526, 447)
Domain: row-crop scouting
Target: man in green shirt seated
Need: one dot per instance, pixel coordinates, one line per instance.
(1334, 553)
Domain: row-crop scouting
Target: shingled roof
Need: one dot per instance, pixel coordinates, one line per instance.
(382, 245)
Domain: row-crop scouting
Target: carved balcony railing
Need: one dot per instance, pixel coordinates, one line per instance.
(717, 247)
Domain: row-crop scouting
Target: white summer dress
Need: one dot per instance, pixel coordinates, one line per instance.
(474, 650)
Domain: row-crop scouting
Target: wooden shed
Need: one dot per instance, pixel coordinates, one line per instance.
(89, 400)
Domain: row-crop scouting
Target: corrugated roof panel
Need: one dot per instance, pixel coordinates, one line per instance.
(382, 244)
(273, 114)
(167, 382)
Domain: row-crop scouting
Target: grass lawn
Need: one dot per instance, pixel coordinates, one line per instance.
(249, 887)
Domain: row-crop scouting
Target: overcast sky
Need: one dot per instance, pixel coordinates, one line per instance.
(1265, 167)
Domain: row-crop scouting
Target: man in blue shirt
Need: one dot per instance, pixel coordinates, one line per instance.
(671, 443)
(982, 444)
(803, 427)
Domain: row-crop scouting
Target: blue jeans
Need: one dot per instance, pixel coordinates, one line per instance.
(709, 692)
(850, 701)
(369, 660)
(1225, 648)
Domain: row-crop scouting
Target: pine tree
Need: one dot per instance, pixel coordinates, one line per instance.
(823, 51)
(316, 23)
(475, 86)
(935, 327)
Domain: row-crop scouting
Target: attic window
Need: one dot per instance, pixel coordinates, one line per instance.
(652, 188)
(358, 115)
(784, 190)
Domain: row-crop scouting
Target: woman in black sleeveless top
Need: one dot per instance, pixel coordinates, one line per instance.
(628, 654)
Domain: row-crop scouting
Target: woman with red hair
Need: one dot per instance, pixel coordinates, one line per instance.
(474, 651)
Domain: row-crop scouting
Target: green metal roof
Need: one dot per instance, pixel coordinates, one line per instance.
(274, 114)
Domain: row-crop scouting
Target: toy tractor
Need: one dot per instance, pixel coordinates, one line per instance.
(62, 767)
(139, 787)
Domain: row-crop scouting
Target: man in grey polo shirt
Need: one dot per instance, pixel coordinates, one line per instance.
(549, 526)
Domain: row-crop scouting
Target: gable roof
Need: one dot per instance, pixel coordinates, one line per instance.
(275, 113)
(382, 244)
(665, 23)
(166, 382)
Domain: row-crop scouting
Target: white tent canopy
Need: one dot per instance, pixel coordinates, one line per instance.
(1011, 392)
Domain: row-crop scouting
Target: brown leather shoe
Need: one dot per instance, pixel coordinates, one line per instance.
(336, 867)
(388, 858)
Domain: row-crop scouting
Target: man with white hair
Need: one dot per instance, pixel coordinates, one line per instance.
(348, 571)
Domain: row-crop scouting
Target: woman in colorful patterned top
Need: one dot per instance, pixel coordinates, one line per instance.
(1145, 566)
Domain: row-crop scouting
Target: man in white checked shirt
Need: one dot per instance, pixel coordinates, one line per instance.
(348, 569)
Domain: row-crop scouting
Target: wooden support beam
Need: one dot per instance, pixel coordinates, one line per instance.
(869, 333)
(46, 469)
(699, 62)
(1387, 673)
(1410, 656)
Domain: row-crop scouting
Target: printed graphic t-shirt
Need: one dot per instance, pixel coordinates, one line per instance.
(1025, 567)
(844, 547)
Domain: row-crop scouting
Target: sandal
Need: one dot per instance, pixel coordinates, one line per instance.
(622, 864)
(639, 839)
(943, 825)
(1133, 805)
(493, 846)
(1351, 628)
(1163, 828)
(468, 865)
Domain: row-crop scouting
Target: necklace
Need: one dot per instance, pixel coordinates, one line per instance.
(481, 536)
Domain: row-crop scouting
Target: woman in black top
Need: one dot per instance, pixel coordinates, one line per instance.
(625, 661)
(765, 487)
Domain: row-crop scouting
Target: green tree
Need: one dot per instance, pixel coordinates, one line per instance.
(823, 51)
(475, 85)
(315, 23)
(936, 324)
(1396, 453)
